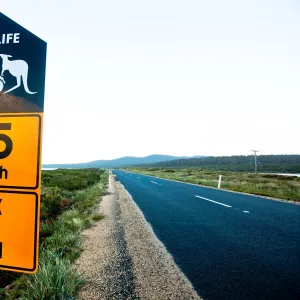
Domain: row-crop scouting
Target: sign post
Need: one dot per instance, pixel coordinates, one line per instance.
(22, 88)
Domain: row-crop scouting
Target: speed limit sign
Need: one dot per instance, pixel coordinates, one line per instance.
(22, 88)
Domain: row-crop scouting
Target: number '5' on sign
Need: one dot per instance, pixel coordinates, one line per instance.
(6, 139)
(20, 151)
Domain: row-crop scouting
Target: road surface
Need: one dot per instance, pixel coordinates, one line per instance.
(229, 245)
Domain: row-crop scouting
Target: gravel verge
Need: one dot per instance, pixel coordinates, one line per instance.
(123, 259)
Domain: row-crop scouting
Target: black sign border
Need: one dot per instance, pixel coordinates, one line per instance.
(35, 232)
(38, 155)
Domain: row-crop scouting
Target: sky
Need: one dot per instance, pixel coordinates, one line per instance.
(192, 77)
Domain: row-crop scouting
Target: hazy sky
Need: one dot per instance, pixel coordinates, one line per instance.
(189, 77)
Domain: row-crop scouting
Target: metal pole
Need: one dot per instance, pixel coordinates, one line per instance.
(255, 160)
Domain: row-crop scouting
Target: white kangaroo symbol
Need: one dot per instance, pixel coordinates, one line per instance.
(18, 69)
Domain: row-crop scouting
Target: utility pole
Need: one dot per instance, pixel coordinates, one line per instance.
(255, 159)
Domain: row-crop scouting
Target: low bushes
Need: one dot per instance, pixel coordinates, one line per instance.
(65, 212)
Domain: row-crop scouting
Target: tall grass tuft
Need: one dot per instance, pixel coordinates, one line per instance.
(55, 279)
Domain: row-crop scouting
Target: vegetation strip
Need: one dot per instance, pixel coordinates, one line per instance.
(286, 188)
(68, 202)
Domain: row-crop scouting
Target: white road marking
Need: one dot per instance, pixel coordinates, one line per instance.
(155, 182)
(246, 211)
(213, 201)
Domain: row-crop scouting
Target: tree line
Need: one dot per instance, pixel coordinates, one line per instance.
(265, 163)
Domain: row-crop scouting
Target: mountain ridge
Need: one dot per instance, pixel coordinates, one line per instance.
(120, 162)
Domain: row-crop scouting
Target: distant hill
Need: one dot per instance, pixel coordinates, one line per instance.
(117, 163)
(266, 163)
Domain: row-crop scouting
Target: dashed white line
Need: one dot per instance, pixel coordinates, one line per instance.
(155, 182)
(246, 211)
(213, 201)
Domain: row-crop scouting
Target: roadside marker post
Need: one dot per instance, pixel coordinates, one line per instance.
(22, 89)
(220, 179)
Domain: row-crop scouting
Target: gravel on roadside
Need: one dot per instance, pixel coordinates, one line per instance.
(123, 259)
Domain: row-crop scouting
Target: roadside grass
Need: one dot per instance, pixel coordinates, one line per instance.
(97, 217)
(271, 185)
(65, 215)
(57, 278)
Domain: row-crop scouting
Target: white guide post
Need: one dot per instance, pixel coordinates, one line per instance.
(220, 179)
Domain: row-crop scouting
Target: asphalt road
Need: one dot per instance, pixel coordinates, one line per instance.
(229, 245)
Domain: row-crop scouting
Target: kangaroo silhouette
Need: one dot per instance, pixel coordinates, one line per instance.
(18, 69)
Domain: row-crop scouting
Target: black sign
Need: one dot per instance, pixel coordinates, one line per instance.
(22, 68)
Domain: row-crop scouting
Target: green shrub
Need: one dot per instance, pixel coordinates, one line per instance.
(97, 217)
(65, 244)
(50, 202)
(47, 228)
(71, 180)
(55, 279)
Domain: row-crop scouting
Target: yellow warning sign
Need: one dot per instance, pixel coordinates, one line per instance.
(19, 230)
(20, 151)
(20, 168)
(22, 92)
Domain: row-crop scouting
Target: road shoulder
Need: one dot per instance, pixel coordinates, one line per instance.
(123, 258)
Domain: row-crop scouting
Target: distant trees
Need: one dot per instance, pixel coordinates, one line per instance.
(266, 163)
